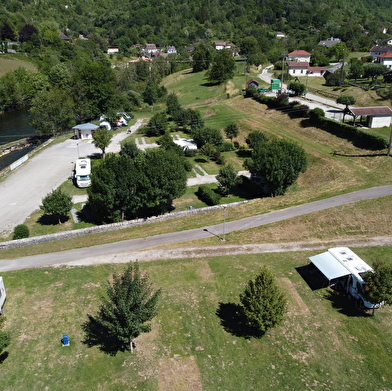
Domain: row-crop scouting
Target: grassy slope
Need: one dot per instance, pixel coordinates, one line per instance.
(10, 62)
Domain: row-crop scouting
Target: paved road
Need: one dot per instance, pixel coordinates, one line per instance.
(112, 251)
(331, 108)
(22, 192)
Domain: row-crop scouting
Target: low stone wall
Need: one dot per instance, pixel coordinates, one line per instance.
(111, 227)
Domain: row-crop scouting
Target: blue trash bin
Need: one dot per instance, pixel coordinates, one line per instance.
(65, 339)
(191, 207)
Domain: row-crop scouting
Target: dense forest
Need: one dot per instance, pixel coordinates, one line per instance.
(179, 23)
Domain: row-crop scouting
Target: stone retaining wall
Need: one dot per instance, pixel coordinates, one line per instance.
(111, 227)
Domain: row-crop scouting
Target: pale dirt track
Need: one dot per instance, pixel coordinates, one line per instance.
(222, 250)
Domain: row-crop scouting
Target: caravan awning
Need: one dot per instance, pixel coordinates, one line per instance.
(329, 266)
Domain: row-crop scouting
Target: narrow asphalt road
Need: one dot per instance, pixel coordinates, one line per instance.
(114, 250)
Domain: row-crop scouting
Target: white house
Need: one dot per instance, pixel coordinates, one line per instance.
(171, 50)
(112, 49)
(280, 35)
(219, 45)
(298, 68)
(299, 56)
(385, 59)
(150, 48)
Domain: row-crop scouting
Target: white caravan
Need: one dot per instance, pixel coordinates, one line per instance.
(341, 266)
(83, 172)
(2, 294)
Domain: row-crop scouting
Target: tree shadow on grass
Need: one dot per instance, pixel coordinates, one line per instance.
(48, 219)
(346, 304)
(3, 357)
(98, 335)
(234, 322)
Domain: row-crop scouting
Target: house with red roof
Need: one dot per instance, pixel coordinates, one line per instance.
(385, 59)
(299, 56)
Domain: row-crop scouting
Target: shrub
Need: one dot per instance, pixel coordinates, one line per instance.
(236, 145)
(190, 152)
(316, 114)
(207, 195)
(21, 231)
(187, 165)
(226, 147)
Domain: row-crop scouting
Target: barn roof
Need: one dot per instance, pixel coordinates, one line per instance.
(375, 110)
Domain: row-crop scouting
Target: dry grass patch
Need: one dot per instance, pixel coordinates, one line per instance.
(179, 374)
(296, 305)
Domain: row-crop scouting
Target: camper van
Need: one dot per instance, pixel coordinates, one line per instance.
(82, 172)
(2, 294)
(342, 267)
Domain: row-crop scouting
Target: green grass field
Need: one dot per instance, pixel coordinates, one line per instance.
(323, 343)
(10, 62)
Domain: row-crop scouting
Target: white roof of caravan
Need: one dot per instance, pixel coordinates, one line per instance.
(350, 260)
(329, 266)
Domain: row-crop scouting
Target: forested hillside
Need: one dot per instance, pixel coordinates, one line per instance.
(179, 23)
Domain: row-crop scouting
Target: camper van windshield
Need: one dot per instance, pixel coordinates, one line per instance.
(83, 177)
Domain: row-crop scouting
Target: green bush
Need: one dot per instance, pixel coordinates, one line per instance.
(207, 195)
(226, 147)
(21, 231)
(316, 114)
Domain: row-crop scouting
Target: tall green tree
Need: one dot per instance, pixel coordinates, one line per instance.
(223, 67)
(52, 112)
(374, 70)
(124, 313)
(57, 204)
(231, 131)
(207, 135)
(278, 163)
(263, 302)
(201, 57)
(297, 87)
(356, 68)
(101, 139)
(228, 178)
(172, 104)
(378, 287)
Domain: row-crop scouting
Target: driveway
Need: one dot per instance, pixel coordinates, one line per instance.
(21, 193)
(331, 109)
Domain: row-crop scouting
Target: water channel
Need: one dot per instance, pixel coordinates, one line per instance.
(14, 126)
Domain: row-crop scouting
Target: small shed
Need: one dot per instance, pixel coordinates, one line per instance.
(373, 117)
(84, 131)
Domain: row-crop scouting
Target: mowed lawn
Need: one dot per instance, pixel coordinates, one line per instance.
(324, 343)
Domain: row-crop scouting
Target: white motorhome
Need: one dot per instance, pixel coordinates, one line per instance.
(2, 294)
(343, 267)
(83, 172)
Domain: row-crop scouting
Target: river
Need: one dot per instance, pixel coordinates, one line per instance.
(14, 125)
